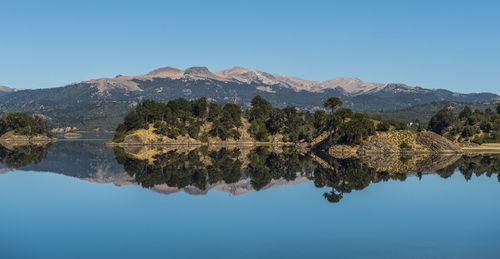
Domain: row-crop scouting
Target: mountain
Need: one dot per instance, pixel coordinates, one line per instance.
(424, 112)
(100, 104)
(4, 90)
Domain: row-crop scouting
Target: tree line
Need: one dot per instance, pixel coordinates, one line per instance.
(202, 167)
(474, 126)
(24, 124)
(183, 117)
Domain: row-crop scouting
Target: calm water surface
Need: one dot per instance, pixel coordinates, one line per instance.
(80, 199)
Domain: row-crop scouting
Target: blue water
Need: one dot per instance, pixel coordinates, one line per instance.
(52, 215)
(48, 215)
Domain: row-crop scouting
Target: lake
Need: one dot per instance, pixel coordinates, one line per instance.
(81, 199)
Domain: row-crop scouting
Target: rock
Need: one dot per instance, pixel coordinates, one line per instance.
(342, 151)
(421, 142)
(11, 139)
(197, 71)
(436, 143)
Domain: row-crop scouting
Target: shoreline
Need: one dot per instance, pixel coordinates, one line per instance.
(114, 144)
(484, 148)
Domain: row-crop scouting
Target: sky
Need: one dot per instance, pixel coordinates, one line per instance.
(453, 45)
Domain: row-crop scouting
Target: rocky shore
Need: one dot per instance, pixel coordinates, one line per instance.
(11, 139)
(403, 142)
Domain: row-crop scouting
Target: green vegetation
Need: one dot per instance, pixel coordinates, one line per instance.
(183, 117)
(23, 124)
(443, 119)
(202, 168)
(23, 156)
(423, 112)
(474, 165)
(332, 103)
(405, 145)
(473, 126)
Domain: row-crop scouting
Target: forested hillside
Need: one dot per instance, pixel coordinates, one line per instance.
(23, 124)
(478, 126)
(100, 104)
(201, 120)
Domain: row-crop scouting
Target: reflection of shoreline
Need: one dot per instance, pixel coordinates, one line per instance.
(237, 171)
(6, 170)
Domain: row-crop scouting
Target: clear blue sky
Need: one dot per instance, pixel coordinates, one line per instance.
(434, 44)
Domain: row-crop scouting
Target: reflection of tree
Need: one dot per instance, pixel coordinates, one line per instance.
(178, 169)
(477, 165)
(265, 166)
(225, 166)
(257, 169)
(23, 155)
(202, 167)
(346, 175)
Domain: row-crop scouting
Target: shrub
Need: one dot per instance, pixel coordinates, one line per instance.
(405, 145)
(383, 126)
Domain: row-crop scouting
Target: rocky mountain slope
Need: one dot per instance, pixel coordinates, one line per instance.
(102, 103)
(4, 90)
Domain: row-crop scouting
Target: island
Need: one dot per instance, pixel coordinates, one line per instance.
(340, 132)
(21, 129)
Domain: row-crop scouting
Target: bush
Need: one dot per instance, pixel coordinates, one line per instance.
(383, 126)
(24, 124)
(468, 132)
(405, 145)
(478, 140)
(443, 119)
(398, 125)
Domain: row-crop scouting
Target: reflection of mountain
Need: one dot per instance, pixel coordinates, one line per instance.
(240, 187)
(88, 160)
(167, 170)
(232, 170)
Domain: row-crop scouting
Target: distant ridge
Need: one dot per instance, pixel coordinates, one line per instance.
(100, 104)
(6, 89)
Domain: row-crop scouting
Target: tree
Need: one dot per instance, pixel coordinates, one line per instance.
(465, 113)
(355, 130)
(398, 125)
(498, 108)
(276, 121)
(383, 126)
(261, 109)
(214, 111)
(332, 102)
(319, 120)
(23, 123)
(441, 120)
(234, 112)
(133, 121)
(258, 131)
(343, 113)
(200, 107)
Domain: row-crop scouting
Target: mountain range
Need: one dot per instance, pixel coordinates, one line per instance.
(100, 104)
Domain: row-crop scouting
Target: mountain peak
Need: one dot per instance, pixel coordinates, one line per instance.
(234, 71)
(352, 85)
(197, 71)
(6, 89)
(166, 71)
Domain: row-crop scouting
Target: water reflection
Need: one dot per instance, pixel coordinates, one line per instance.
(235, 170)
(201, 168)
(21, 156)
